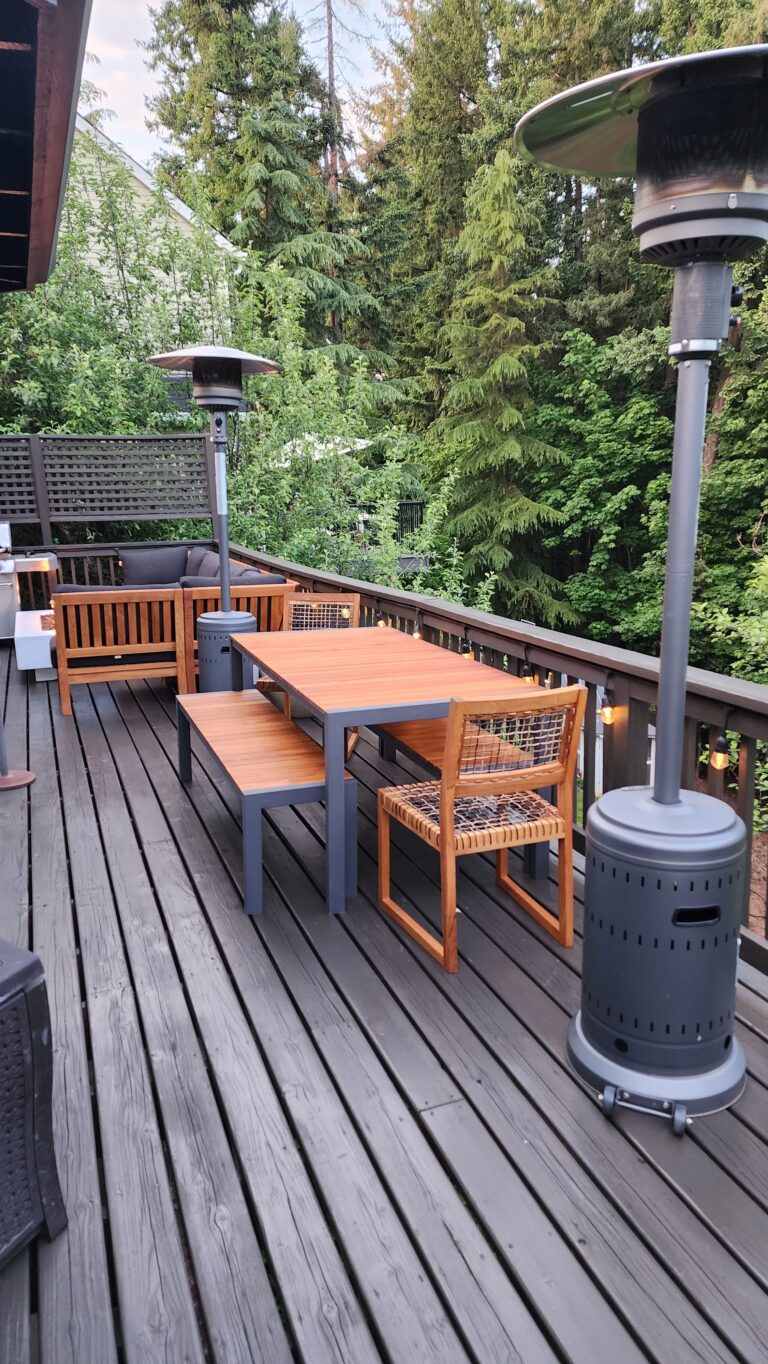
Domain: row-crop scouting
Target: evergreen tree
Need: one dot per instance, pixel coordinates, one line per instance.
(244, 108)
(486, 430)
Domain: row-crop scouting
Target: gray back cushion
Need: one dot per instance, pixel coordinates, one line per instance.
(208, 566)
(158, 564)
(194, 558)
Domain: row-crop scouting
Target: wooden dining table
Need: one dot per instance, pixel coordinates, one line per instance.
(367, 676)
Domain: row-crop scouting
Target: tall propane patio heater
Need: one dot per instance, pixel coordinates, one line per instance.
(217, 384)
(665, 868)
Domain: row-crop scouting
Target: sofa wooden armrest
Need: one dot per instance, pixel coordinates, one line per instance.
(110, 636)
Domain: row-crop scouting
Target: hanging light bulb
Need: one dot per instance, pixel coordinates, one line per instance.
(380, 621)
(467, 651)
(607, 710)
(417, 626)
(720, 754)
(527, 674)
(345, 613)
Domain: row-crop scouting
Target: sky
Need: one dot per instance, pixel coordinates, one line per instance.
(118, 27)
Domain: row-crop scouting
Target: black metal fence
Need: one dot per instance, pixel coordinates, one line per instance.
(410, 515)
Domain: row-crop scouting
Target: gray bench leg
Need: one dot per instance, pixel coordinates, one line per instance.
(185, 746)
(536, 855)
(350, 839)
(387, 748)
(253, 873)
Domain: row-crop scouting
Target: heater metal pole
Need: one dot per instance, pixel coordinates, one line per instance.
(219, 437)
(690, 421)
(700, 312)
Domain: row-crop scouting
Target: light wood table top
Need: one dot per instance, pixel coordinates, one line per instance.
(370, 668)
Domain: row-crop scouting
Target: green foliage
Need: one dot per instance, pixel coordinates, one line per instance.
(73, 354)
(485, 434)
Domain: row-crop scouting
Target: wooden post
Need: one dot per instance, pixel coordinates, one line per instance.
(745, 805)
(41, 488)
(625, 742)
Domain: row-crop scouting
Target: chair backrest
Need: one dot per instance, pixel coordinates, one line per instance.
(517, 743)
(321, 611)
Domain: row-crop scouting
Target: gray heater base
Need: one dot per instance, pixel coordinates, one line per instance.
(678, 1097)
(214, 650)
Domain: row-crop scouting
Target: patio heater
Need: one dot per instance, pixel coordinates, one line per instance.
(665, 868)
(217, 384)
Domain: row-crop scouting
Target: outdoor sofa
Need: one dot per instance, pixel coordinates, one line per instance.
(146, 627)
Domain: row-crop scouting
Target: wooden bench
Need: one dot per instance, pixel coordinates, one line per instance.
(270, 761)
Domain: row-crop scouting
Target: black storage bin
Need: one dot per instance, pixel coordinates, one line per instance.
(30, 1196)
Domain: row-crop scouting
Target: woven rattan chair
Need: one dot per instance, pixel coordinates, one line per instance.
(317, 611)
(498, 754)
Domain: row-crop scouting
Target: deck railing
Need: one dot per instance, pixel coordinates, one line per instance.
(616, 755)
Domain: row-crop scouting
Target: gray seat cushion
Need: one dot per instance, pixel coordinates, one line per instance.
(111, 587)
(153, 565)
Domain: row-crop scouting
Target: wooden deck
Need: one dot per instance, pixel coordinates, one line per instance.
(296, 1138)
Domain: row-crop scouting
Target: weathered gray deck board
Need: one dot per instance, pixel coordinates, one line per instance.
(236, 1299)
(423, 1195)
(157, 1313)
(74, 1300)
(14, 926)
(316, 1145)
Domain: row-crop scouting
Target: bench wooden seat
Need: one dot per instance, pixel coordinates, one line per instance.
(424, 740)
(420, 739)
(269, 760)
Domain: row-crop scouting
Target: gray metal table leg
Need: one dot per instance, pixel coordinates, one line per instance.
(350, 836)
(335, 799)
(236, 665)
(536, 855)
(387, 748)
(253, 871)
(184, 741)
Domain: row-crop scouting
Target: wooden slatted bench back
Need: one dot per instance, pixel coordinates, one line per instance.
(110, 637)
(259, 749)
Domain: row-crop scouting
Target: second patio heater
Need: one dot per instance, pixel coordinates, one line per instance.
(665, 868)
(217, 384)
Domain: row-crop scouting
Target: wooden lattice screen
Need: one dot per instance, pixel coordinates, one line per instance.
(49, 479)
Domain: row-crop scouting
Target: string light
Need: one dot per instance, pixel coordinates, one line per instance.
(466, 649)
(380, 621)
(720, 754)
(607, 710)
(345, 613)
(417, 627)
(527, 670)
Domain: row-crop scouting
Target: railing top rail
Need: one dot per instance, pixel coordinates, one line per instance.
(598, 658)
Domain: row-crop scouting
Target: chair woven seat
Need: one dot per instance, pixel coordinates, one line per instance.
(499, 821)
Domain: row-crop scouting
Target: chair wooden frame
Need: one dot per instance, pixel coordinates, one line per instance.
(453, 784)
(266, 603)
(131, 633)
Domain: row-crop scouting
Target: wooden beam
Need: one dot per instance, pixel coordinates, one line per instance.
(61, 34)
